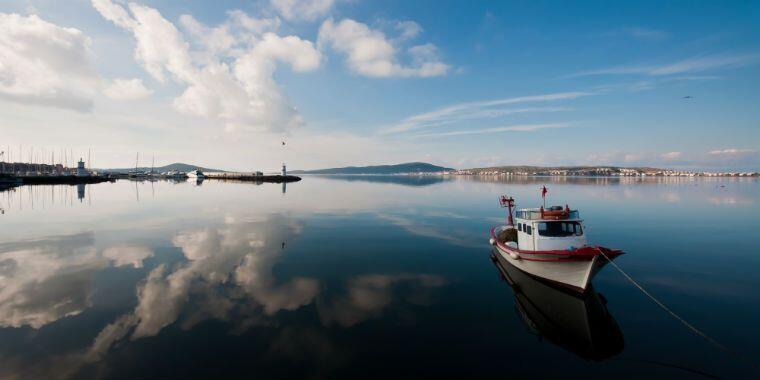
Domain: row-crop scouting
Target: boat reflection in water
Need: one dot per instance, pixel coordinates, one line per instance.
(578, 323)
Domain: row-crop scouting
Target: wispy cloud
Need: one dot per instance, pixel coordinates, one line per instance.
(509, 128)
(480, 110)
(730, 152)
(686, 66)
(646, 33)
(671, 155)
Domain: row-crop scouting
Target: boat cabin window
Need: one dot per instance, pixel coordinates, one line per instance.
(519, 226)
(530, 230)
(560, 229)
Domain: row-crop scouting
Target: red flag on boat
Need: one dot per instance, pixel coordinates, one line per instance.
(543, 192)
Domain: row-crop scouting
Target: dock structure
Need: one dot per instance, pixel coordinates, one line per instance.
(14, 174)
(252, 177)
(63, 180)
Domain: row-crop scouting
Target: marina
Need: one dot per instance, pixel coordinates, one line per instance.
(14, 174)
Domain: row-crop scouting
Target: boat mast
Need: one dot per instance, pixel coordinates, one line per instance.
(508, 203)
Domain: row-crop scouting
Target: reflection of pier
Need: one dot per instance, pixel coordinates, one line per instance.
(580, 324)
(44, 196)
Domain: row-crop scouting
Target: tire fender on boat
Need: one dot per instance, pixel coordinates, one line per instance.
(514, 255)
(492, 241)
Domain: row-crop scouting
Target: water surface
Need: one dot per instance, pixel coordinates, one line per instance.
(368, 277)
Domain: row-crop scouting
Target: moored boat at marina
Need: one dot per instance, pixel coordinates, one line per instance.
(176, 174)
(550, 243)
(197, 173)
(137, 174)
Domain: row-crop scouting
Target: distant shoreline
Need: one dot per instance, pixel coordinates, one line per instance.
(460, 174)
(644, 175)
(421, 168)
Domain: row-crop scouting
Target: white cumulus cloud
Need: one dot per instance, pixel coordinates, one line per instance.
(127, 89)
(227, 70)
(302, 9)
(408, 29)
(369, 52)
(45, 64)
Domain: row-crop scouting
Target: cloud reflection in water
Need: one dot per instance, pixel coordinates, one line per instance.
(221, 272)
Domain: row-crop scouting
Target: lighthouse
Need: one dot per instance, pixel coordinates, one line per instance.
(81, 171)
(284, 171)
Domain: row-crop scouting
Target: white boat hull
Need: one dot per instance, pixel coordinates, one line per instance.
(573, 274)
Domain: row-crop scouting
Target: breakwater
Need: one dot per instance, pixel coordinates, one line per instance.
(252, 177)
(63, 180)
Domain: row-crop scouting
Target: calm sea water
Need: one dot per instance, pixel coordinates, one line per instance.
(369, 277)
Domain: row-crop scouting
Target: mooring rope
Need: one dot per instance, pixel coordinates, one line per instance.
(688, 325)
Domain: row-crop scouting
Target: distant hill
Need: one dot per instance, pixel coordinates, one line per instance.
(404, 180)
(407, 168)
(175, 166)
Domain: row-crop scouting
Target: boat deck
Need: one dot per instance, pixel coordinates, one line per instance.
(507, 235)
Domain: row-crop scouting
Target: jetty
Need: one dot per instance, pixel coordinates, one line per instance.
(252, 177)
(63, 179)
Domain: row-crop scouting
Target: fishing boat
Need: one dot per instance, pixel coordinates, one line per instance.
(550, 243)
(196, 174)
(176, 174)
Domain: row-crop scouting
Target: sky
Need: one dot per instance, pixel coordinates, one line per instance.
(355, 82)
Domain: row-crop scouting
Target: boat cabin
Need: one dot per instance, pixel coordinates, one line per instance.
(554, 228)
